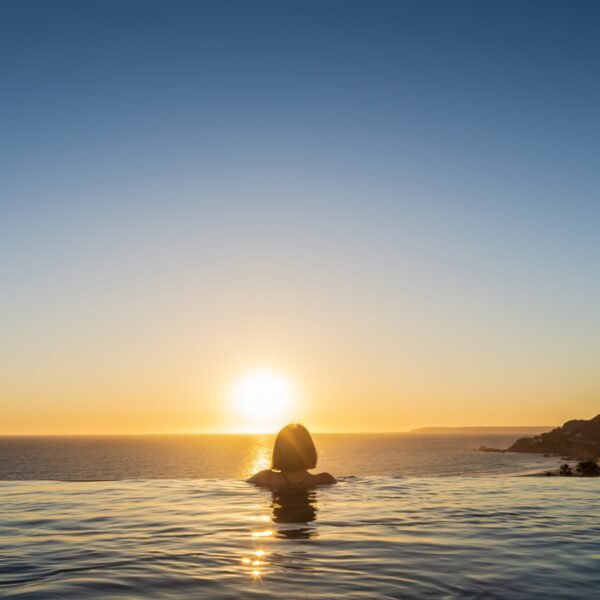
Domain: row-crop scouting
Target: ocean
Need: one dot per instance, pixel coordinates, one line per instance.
(80, 458)
(171, 517)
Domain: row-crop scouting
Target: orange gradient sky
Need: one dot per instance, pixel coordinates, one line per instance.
(392, 207)
(181, 383)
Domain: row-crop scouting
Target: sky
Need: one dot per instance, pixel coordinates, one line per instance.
(392, 206)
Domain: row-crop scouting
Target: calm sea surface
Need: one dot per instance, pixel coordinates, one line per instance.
(404, 522)
(238, 456)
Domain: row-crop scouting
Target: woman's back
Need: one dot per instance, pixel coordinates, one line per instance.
(291, 480)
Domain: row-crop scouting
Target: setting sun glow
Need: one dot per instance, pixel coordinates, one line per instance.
(263, 399)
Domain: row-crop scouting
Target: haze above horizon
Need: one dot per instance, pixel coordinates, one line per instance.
(534, 429)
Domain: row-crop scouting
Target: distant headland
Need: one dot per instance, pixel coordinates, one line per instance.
(505, 430)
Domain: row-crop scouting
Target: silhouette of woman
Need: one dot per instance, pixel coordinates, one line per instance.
(294, 453)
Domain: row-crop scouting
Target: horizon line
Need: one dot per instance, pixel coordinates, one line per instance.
(191, 433)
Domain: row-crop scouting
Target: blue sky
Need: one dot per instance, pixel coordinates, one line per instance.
(412, 188)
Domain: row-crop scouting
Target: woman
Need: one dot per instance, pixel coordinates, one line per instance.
(294, 453)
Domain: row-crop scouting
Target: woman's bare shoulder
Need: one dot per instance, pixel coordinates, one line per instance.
(325, 479)
(260, 478)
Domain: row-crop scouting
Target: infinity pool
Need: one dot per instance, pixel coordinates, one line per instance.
(375, 537)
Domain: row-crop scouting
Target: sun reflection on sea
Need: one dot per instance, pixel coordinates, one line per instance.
(258, 458)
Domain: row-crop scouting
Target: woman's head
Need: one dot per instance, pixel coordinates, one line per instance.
(294, 449)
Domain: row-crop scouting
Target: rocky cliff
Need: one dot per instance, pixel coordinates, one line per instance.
(577, 438)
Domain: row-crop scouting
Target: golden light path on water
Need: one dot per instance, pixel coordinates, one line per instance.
(259, 458)
(255, 562)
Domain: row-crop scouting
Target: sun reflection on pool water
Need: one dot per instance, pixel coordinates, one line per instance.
(265, 533)
(255, 562)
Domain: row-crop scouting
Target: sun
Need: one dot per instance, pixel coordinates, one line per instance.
(263, 398)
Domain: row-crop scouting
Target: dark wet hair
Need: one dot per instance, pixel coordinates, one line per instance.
(294, 449)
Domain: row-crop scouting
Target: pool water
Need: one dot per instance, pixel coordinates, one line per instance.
(376, 537)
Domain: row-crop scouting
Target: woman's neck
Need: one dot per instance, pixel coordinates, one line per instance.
(294, 472)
